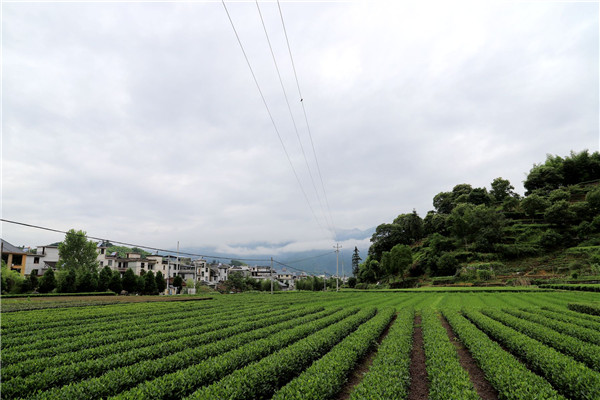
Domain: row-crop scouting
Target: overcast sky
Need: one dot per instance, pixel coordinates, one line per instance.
(141, 122)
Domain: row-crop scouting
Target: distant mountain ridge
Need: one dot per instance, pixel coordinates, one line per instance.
(317, 261)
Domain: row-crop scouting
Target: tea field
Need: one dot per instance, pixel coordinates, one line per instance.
(461, 344)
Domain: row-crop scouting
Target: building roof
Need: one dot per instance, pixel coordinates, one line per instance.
(9, 248)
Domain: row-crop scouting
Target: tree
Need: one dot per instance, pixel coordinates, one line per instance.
(47, 282)
(235, 282)
(33, 279)
(476, 224)
(66, 281)
(150, 283)
(161, 284)
(593, 200)
(397, 261)
(533, 204)
(443, 202)
(501, 189)
(76, 252)
(129, 281)
(355, 261)
(559, 213)
(86, 281)
(104, 278)
(114, 283)
(178, 283)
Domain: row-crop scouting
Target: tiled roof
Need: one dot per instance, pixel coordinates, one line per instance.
(9, 248)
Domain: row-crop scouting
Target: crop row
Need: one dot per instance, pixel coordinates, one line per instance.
(389, 375)
(263, 378)
(572, 317)
(14, 355)
(586, 308)
(169, 339)
(28, 338)
(570, 377)
(73, 372)
(505, 373)
(326, 376)
(230, 349)
(447, 377)
(102, 333)
(44, 319)
(584, 287)
(589, 335)
(587, 353)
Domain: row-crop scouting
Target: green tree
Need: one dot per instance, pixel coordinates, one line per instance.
(559, 213)
(501, 190)
(47, 281)
(178, 283)
(355, 261)
(66, 281)
(129, 281)
(114, 283)
(33, 279)
(86, 280)
(161, 284)
(478, 225)
(593, 200)
(104, 278)
(150, 283)
(235, 282)
(76, 252)
(443, 202)
(533, 204)
(398, 260)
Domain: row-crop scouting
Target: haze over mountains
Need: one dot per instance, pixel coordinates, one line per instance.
(312, 261)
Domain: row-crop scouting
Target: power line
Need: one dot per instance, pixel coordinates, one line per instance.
(306, 118)
(135, 245)
(270, 115)
(291, 113)
(310, 258)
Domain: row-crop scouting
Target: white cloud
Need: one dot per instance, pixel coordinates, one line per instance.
(141, 122)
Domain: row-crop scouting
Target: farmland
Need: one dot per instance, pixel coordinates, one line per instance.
(526, 344)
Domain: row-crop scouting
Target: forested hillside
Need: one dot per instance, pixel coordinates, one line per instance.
(476, 232)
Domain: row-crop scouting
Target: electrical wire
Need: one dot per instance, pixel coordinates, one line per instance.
(137, 245)
(306, 119)
(292, 115)
(270, 115)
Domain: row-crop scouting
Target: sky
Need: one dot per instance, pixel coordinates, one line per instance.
(141, 122)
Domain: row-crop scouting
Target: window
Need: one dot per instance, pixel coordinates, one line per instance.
(102, 251)
(143, 265)
(109, 263)
(36, 260)
(101, 264)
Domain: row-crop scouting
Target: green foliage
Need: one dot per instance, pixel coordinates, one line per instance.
(129, 282)
(355, 261)
(114, 283)
(104, 278)
(397, 261)
(47, 281)
(76, 252)
(150, 283)
(178, 282)
(12, 281)
(66, 281)
(161, 284)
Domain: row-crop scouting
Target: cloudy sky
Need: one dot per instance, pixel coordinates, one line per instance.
(141, 121)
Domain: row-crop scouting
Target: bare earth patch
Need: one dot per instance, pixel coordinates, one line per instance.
(484, 389)
(419, 385)
(363, 366)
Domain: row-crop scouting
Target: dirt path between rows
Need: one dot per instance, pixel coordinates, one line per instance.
(485, 390)
(419, 385)
(363, 366)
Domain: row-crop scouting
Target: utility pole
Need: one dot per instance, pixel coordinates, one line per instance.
(337, 248)
(324, 282)
(271, 275)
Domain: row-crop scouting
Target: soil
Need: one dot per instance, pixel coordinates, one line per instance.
(419, 385)
(485, 390)
(363, 366)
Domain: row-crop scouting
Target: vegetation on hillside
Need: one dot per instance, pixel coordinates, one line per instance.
(473, 232)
